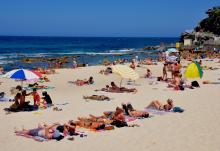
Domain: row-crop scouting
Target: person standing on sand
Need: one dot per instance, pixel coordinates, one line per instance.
(74, 64)
(165, 71)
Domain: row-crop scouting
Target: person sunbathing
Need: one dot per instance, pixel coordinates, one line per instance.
(47, 132)
(37, 86)
(115, 118)
(118, 118)
(90, 123)
(67, 128)
(159, 106)
(79, 82)
(115, 88)
(97, 97)
(130, 111)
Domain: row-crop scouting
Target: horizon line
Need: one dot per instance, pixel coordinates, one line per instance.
(89, 36)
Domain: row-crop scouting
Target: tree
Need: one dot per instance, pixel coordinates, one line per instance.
(211, 23)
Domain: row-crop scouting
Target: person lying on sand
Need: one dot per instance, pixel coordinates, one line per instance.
(79, 82)
(159, 106)
(130, 111)
(115, 89)
(37, 86)
(47, 132)
(67, 128)
(97, 97)
(93, 124)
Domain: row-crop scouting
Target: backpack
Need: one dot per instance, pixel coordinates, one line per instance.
(195, 84)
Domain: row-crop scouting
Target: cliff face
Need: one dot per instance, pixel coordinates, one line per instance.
(207, 33)
(211, 23)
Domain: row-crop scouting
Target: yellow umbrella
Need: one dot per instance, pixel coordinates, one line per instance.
(125, 72)
(193, 71)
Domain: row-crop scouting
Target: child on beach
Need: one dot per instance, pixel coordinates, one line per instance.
(148, 74)
(36, 97)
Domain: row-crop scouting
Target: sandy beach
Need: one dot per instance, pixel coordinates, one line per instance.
(197, 128)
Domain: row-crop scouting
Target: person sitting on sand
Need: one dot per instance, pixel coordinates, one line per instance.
(47, 132)
(175, 82)
(46, 98)
(97, 97)
(107, 71)
(2, 70)
(148, 74)
(132, 66)
(130, 111)
(159, 106)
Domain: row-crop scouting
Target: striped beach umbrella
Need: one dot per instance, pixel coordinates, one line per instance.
(125, 72)
(193, 70)
(22, 74)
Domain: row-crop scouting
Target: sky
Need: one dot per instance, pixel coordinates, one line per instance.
(101, 18)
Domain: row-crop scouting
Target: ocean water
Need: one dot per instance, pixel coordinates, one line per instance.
(90, 50)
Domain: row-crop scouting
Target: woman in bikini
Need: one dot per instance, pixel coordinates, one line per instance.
(159, 106)
(97, 97)
(47, 132)
(130, 111)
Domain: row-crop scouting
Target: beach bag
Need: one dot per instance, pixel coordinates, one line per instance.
(181, 87)
(178, 110)
(195, 84)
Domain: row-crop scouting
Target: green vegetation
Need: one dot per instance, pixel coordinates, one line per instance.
(211, 23)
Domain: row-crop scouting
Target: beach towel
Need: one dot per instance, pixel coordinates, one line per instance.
(38, 88)
(130, 119)
(156, 112)
(6, 99)
(36, 138)
(62, 103)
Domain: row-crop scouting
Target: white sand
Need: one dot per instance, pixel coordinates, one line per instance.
(195, 129)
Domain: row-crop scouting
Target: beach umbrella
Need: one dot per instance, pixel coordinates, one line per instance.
(193, 70)
(22, 74)
(172, 50)
(172, 58)
(125, 72)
